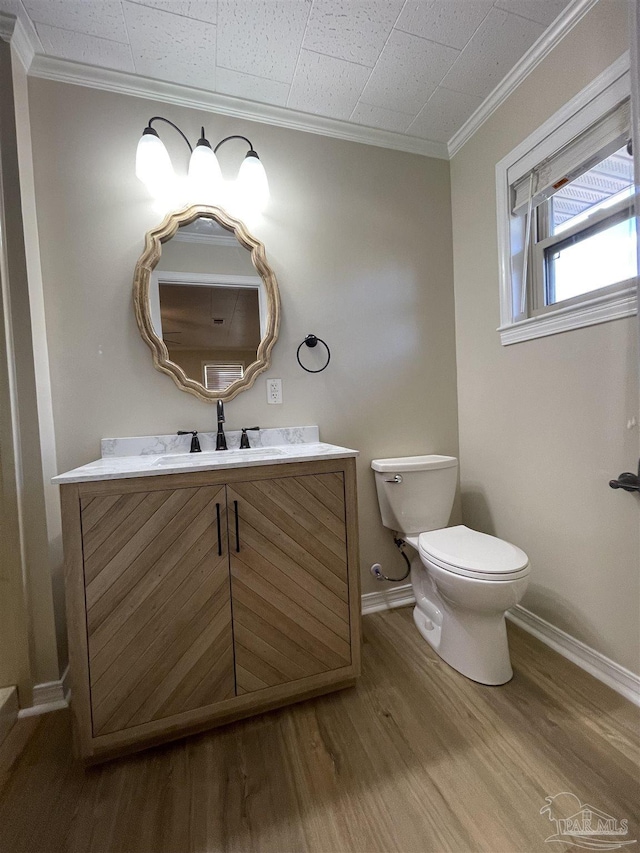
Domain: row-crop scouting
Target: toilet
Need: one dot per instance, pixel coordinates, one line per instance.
(463, 581)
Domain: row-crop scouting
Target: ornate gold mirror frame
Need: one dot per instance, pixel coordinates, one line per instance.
(147, 263)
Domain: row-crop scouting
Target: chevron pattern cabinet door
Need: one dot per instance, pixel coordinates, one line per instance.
(158, 604)
(289, 579)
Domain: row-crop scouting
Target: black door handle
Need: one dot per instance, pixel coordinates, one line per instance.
(627, 481)
(235, 508)
(219, 536)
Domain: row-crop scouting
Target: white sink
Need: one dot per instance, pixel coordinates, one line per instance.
(252, 451)
(217, 456)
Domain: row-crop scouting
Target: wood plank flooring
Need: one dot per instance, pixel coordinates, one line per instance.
(415, 759)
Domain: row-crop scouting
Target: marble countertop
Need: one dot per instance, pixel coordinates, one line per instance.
(148, 456)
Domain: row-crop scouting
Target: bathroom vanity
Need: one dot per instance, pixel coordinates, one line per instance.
(205, 587)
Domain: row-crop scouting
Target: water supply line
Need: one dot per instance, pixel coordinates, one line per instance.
(376, 568)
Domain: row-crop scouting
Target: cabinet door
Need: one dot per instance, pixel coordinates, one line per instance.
(289, 579)
(158, 604)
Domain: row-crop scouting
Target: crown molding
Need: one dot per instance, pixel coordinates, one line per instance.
(25, 42)
(21, 33)
(28, 49)
(65, 71)
(565, 22)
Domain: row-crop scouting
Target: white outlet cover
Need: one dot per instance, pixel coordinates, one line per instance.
(274, 391)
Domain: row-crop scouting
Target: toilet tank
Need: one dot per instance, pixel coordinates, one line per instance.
(416, 493)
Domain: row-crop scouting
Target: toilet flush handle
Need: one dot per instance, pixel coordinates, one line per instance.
(396, 479)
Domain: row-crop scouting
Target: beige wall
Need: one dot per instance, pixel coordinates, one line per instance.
(359, 238)
(543, 424)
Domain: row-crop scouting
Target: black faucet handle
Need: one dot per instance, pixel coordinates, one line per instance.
(244, 438)
(195, 441)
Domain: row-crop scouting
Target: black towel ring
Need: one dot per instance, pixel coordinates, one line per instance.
(312, 341)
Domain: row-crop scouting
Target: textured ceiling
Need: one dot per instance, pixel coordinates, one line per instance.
(416, 67)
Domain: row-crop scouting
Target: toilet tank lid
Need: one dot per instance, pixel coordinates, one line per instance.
(463, 548)
(413, 463)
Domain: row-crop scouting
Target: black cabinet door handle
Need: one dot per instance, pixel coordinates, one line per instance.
(235, 507)
(219, 536)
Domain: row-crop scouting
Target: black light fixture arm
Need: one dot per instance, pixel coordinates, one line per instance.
(150, 129)
(174, 126)
(235, 136)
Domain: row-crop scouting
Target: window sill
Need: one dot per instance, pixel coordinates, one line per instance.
(600, 309)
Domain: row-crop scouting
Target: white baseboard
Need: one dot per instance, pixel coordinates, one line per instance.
(622, 680)
(386, 599)
(53, 695)
(49, 696)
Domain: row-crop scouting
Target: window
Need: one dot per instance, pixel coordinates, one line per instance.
(566, 218)
(585, 235)
(218, 375)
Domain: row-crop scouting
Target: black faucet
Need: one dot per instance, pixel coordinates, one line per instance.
(221, 441)
(195, 441)
(244, 438)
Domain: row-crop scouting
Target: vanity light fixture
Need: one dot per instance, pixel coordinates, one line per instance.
(154, 169)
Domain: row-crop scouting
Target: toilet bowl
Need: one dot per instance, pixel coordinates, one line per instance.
(463, 580)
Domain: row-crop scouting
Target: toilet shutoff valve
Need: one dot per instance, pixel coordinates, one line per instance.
(376, 571)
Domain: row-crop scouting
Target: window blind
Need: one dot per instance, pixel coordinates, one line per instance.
(219, 375)
(581, 154)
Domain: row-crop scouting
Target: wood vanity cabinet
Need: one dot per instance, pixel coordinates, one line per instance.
(197, 599)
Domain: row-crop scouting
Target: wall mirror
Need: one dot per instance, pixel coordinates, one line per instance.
(206, 302)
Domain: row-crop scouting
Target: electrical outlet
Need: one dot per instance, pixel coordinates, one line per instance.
(274, 391)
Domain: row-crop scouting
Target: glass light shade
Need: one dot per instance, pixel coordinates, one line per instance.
(153, 165)
(205, 177)
(252, 183)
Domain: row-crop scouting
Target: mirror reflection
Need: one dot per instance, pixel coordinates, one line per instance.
(208, 303)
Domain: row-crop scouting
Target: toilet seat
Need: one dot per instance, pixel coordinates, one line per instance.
(472, 554)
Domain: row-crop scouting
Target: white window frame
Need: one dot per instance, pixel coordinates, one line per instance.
(607, 91)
